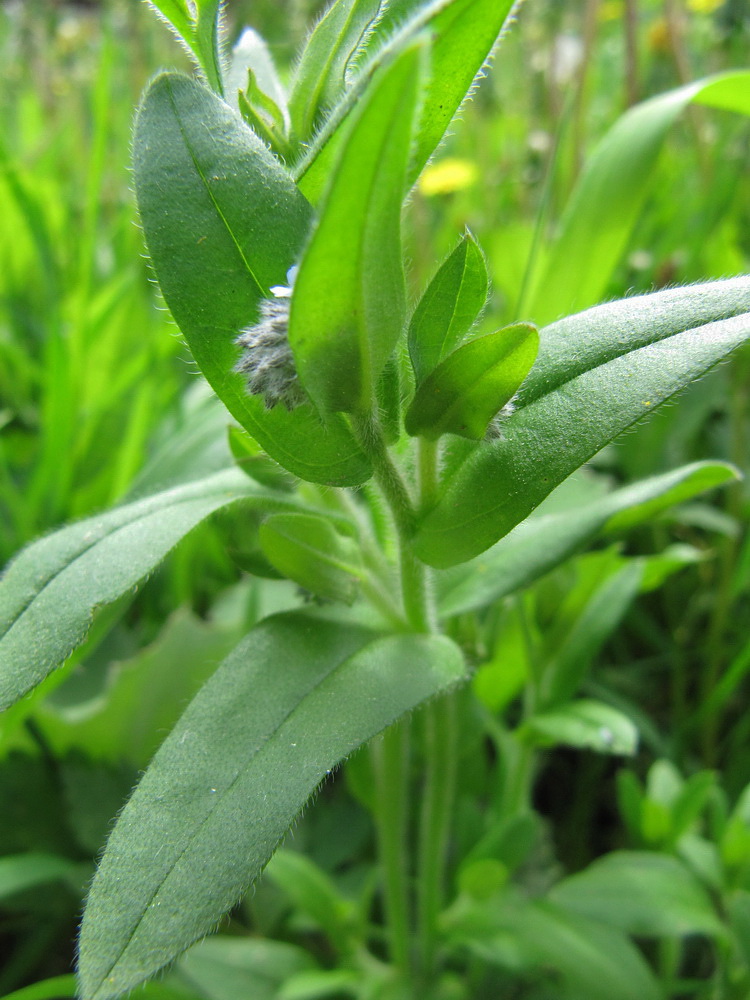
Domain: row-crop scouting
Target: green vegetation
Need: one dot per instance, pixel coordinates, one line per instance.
(397, 581)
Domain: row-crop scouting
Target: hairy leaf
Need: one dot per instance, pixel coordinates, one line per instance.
(624, 364)
(295, 697)
(223, 223)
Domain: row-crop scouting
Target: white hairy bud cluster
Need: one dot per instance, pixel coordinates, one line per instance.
(266, 360)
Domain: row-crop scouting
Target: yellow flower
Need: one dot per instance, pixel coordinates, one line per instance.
(611, 10)
(447, 176)
(704, 6)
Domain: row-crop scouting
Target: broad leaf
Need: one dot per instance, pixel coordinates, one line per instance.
(647, 894)
(321, 74)
(449, 307)
(469, 387)
(540, 543)
(463, 35)
(349, 296)
(223, 223)
(229, 780)
(49, 593)
(619, 363)
(612, 191)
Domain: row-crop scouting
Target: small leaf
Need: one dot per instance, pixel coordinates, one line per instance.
(49, 593)
(449, 307)
(240, 968)
(586, 725)
(297, 695)
(618, 363)
(349, 297)
(320, 76)
(20, 872)
(643, 893)
(223, 224)
(469, 387)
(309, 550)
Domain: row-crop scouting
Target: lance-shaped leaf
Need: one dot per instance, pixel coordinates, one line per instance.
(223, 223)
(611, 383)
(295, 697)
(463, 33)
(349, 297)
(449, 307)
(472, 384)
(541, 543)
(320, 76)
(49, 593)
(309, 550)
(612, 190)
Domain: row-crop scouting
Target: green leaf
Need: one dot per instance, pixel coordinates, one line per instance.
(450, 305)
(223, 223)
(611, 193)
(463, 35)
(586, 958)
(349, 297)
(238, 968)
(48, 989)
(471, 385)
(49, 593)
(585, 724)
(543, 542)
(199, 29)
(617, 364)
(229, 780)
(313, 893)
(20, 872)
(321, 74)
(643, 893)
(309, 550)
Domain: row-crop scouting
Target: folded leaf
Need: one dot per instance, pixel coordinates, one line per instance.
(223, 224)
(584, 724)
(349, 296)
(320, 77)
(309, 550)
(449, 307)
(541, 543)
(295, 697)
(567, 417)
(467, 389)
(49, 593)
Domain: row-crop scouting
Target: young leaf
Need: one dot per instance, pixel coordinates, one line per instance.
(540, 543)
(198, 26)
(584, 724)
(309, 550)
(450, 305)
(223, 223)
(464, 34)
(229, 780)
(611, 192)
(349, 297)
(576, 406)
(49, 593)
(320, 76)
(472, 384)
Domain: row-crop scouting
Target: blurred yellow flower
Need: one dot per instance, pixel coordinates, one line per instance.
(447, 176)
(611, 10)
(704, 6)
(658, 36)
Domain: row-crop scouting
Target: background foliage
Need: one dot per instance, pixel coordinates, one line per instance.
(98, 403)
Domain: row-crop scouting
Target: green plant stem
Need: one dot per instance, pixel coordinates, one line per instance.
(428, 473)
(389, 755)
(440, 752)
